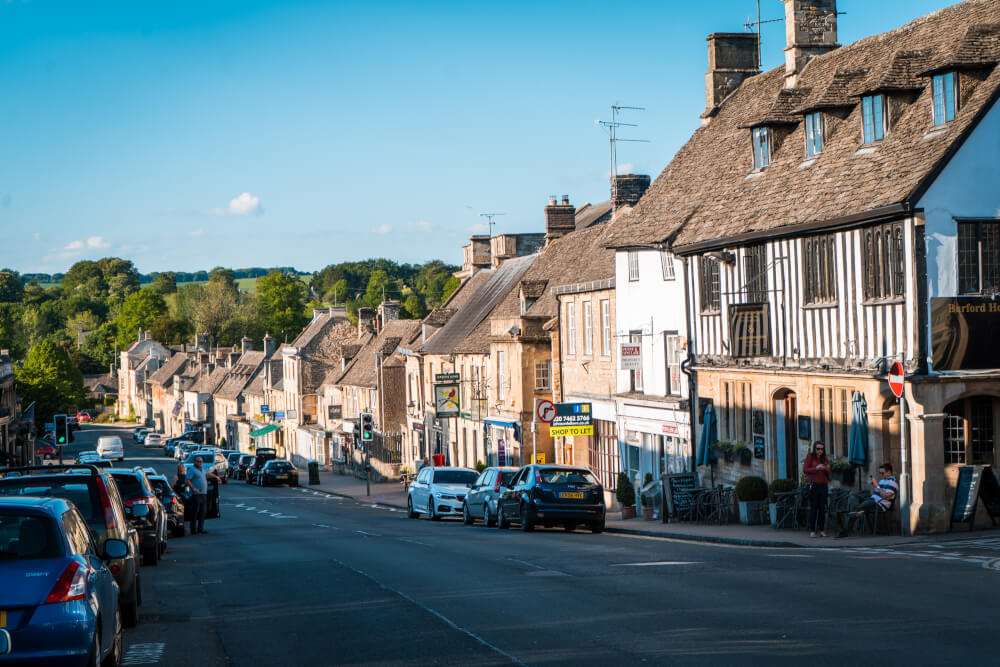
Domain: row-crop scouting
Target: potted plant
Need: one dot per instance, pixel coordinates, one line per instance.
(841, 469)
(625, 493)
(751, 492)
(648, 506)
(742, 453)
(724, 449)
(782, 485)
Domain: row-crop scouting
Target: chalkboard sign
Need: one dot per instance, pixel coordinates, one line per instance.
(758, 447)
(758, 423)
(804, 430)
(975, 483)
(680, 493)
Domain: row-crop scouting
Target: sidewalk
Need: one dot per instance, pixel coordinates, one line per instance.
(386, 493)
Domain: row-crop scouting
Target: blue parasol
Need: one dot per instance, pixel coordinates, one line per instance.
(857, 453)
(709, 436)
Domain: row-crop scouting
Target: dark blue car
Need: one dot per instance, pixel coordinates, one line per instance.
(58, 600)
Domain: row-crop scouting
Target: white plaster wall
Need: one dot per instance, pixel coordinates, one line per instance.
(652, 305)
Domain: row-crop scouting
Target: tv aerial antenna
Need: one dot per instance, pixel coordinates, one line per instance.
(750, 25)
(491, 220)
(611, 126)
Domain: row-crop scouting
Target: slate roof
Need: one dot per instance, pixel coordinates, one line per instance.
(240, 375)
(589, 215)
(104, 384)
(707, 196)
(360, 372)
(477, 307)
(164, 374)
(209, 382)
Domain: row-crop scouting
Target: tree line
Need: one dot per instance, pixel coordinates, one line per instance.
(179, 276)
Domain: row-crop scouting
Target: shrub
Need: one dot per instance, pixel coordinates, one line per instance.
(780, 486)
(480, 466)
(625, 492)
(751, 489)
(840, 465)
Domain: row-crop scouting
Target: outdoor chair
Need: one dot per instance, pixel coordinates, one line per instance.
(838, 504)
(790, 504)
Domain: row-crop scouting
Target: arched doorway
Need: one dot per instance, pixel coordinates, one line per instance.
(786, 451)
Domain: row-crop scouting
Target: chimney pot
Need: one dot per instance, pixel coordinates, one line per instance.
(560, 219)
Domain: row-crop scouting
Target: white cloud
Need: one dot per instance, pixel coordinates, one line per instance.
(37, 236)
(243, 204)
(626, 168)
(98, 242)
(74, 245)
(382, 229)
(196, 234)
(420, 226)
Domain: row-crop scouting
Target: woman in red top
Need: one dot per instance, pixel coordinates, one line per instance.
(817, 470)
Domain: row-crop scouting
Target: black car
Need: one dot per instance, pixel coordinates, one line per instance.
(96, 496)
(552, 495)
(144, 511)
(172, 504)
(244, 463)
(278, 471)
(262, 456)
(481, 500)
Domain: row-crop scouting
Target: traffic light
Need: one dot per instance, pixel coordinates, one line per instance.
(61, 430)
(367, 427)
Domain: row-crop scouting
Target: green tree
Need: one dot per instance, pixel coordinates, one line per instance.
(214, 312)
(38, 322)
(139, 311)
(281, 305)
(168, 330)
(11, 287)
(82, 321)
(223, 275)
(11, 331)
(50, 379)
(164, 283)
(99, 345)
(85, 278)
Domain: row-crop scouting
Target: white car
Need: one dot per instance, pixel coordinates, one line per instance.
(153, 440)
(439, 491)
(111, 447)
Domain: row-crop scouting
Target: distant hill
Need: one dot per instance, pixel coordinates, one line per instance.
(52, 279)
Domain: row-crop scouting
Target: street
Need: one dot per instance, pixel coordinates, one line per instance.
(297, 577)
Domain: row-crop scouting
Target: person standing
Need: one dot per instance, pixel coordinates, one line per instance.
(817, 470)
(197, 479)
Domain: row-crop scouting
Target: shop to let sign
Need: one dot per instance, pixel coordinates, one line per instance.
(572, 419)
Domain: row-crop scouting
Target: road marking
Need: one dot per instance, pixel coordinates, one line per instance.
(361, 532)
(210, 581)
(412, 541)
(992, 564)
(657, 562)
(524, 562)
(545, 573)
(790, 556)
(143, 654)
(438, 614)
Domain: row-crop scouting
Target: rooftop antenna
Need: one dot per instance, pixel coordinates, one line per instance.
(612, 127)
(750, 25)
(490, 220)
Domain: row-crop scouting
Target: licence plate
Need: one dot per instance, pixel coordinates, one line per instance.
(577, 495)
(282, 477)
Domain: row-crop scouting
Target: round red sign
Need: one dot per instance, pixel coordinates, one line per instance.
(545, 411)
(896, 379)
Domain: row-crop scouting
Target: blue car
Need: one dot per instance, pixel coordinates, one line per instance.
(58, 599)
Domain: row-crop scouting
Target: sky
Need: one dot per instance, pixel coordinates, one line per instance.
(187, 135)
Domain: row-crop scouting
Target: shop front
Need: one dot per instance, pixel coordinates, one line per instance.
(503, 442)
(654, 437)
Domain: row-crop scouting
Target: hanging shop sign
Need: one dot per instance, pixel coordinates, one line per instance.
(630, 356)
(962, 333)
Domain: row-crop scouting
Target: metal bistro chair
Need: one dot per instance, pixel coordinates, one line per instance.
(790, 504)
(838, 504)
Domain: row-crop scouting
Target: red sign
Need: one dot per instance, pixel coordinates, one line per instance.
(896, 379)
(545, 411)
(671, 429)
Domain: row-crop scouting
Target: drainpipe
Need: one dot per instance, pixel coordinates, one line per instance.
(685, 368)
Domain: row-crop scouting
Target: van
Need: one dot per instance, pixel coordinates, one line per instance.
(110, 447)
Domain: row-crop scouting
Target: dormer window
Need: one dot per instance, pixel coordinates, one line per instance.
(873, 118)
(945, 88)
(761, 147)
(814, 134)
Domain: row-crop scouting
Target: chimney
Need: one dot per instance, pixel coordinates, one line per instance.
(269, 345)
(560, 219)
(319, 312)
(246, 344)
(113, 371)
(629, 188)
(810, 31)
(366, 321)
(338, 312)
(201, 341)
(387, 311)
(732, 58)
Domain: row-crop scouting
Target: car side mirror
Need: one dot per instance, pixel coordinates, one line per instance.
(115, 549)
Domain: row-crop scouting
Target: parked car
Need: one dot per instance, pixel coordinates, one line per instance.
(153, 440)
(233, 459)
(144, 511)
(45, 450)
(245, 461)
(553, 496)
(171, 446)
(439, 491)
(143, 435)
(261, 456)
(185, 448)
(138, 430)
(83, 416)
(172, 504)
(481, 500)
(96, 496)
(211, 460)
(93, 458)
(212, 510)
(111, 447)
(59, 598)
(278, 471)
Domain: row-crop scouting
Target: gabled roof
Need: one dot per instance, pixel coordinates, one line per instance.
(708, 197)
(589, 215)
(164, 375)
(209, 382)
(361, 370)
(240, 375)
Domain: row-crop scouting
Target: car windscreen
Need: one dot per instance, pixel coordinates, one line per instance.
(562, 476)
(245, 460)
(160, 485)
(507, 477)
(234, 458)
(280, 466)
(466, 477)
(25, 536)
(130, 485)
(81, 491)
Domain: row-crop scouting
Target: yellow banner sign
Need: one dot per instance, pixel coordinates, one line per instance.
(571, 430)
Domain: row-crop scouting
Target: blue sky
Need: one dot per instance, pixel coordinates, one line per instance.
(185, 135)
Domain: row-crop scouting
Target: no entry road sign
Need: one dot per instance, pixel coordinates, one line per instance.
(896, 379)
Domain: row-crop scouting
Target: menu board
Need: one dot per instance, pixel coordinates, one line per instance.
(975, 483)
(680, 493)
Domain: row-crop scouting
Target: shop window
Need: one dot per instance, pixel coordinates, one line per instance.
(832, 419)
(968, 432)
(605, 461)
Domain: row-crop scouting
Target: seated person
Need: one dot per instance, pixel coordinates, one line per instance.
(883, 494)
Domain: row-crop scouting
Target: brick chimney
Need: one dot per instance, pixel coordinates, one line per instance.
(387, 311)
(810, 31)
(629, 188)
(366, 321)
(732, 57)
(246, 344)
(560, 218)
(269, 345)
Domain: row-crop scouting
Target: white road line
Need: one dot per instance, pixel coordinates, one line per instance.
(438, 614)
(361, 532)
(143, 654)
(412, 541)
(524, 562)
(659, 562)
(790, 556)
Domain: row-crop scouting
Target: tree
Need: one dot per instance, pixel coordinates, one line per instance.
(99, 345)
(415, 307)
(168, 330)
(86, 278)
(139, 311)
(216, 309)
(281, 305)
(223, 275)
(49, 378)
(164, 283)
(82, 321)
(11, 287)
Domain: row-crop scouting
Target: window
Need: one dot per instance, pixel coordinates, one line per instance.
(542, 374)
(635, 377)
(873, 118)
(761, 147)
(633, 265)
(885, 261)
(501, 375)
(588, 329)
(605, 460)
(667, 264)
(814, 134)
(755, 272)
(736, 411)
(606, 328)
(945, 97)
(979, 257)
(820, 269)
(570, 328)
(832, 423)
(968, 432)
(673, 353)
(709, 284)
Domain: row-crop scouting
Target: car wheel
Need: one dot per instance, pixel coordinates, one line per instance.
(467, 516)
(597, 526)
(431, 514)
(526, 525)
(502, 522)
(488, 520)
(409, 508)
(46, 457)
(570, 527)
(114, 658)
(151, 553)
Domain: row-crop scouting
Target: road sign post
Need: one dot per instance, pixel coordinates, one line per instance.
(897, 382)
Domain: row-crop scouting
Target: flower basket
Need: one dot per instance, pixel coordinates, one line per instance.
(628, 512)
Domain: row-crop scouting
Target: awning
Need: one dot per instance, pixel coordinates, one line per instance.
(506, 423)
(270, 428)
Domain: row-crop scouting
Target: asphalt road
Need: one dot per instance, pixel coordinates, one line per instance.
(295, 577)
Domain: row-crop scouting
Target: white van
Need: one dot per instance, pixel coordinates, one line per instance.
(110, 447)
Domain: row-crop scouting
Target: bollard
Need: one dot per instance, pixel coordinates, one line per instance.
(313, 472)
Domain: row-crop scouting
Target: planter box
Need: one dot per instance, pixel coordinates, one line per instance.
(648, 513)
(753, 512)
(628, 512)
(746, 457)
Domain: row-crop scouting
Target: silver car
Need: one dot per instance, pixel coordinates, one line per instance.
(481, 500)
(439, 491)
